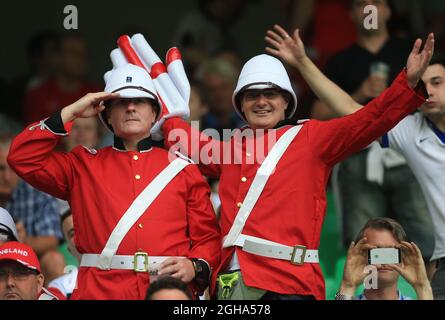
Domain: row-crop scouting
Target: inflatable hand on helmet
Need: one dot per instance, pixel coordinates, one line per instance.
(171, 83)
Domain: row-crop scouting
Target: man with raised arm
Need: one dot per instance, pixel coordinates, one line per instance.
(272, 211)
(419, 137)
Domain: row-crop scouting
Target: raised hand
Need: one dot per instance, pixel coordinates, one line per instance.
(289, 49)
(412, 267)
(356, 261)
(87, 106)
(413, 270)
(418, 60)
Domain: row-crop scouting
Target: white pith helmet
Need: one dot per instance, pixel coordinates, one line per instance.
(7, 224)
(261, 72)
(130, 81)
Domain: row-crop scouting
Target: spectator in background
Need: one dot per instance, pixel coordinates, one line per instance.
(8, 232)
(65, 285)
(168, 288)
(326, 28)
(68, 85)
(384, 233)
(20, 274)
(36, 214)
(198, 107)
(315, 19)
(218, 79)
(207, 30)
(9, 126)
(231, 57)
(42, 52)
(418, 17)
(375, 182)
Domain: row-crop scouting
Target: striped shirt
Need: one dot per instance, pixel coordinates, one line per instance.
(39, 212)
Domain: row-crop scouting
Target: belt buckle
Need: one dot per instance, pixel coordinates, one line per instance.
(294, 255)
(135, 261)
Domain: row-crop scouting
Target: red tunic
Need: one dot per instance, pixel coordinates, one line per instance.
(100, 186)
(292, 205)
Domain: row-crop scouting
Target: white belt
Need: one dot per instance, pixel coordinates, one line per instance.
(139, 262)
(297, 255)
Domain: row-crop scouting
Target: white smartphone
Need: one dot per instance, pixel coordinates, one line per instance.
(384, 256)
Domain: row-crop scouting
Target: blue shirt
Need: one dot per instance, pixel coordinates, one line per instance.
(39, 212)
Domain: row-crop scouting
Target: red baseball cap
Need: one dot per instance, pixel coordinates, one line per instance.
(20, 253)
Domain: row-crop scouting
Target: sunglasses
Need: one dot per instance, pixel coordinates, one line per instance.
(17, 274)
(254, 94)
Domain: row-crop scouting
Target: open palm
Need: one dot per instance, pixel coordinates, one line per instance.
(289, 49)
(418, 60)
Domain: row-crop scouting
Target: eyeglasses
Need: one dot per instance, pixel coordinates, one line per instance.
(254, 94)
(17, 274)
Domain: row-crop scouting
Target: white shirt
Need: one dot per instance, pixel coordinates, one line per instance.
(66, 283)
(424, 152)
(378, 160)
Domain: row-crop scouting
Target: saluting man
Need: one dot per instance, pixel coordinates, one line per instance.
(136, 214)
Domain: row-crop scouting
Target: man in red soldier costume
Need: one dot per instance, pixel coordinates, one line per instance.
(136, 214)
(272, 211)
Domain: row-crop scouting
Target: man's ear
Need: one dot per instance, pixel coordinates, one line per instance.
(40, 281)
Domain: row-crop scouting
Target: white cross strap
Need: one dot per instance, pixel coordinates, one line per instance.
(137, 209)
(258, 184)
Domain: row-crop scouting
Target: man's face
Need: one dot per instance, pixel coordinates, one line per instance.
(18, 282)
(68, 233)
(383, 239)
(8, 178)
(131, 119)
(263, 109)
(358, 16)
(197, 106)
(434, 79)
